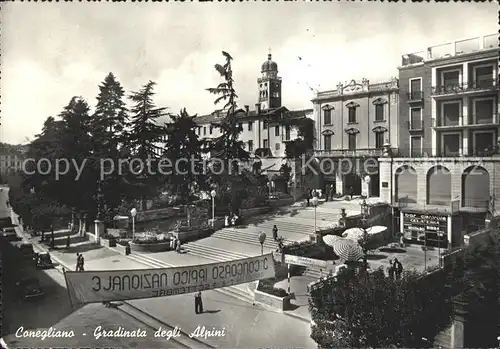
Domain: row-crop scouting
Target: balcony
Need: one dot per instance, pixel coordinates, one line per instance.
(415, 96)
(416, 125)
(470, 87)
(348, 153)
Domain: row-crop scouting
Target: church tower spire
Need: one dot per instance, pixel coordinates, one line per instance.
(269, 84)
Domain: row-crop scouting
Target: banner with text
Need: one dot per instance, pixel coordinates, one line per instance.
(118, 285)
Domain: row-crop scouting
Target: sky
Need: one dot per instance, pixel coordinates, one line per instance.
(54, 51)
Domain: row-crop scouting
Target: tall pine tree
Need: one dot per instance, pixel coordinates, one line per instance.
(228, 148)
(107, 127)
(184, 151)
(143, 139)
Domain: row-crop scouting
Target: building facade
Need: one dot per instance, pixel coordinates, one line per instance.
(262, 131)
(353, 122)
(445, 180)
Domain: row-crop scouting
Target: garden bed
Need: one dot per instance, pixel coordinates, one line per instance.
(254, 211)
(150, 246)
(269, 295)
(281, 202)
(186, 234)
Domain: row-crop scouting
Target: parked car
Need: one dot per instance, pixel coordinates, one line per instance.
(29, 287)
(10, 234)
(26, 249)
(43, 260)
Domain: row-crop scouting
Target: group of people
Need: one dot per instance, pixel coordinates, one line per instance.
(175, 244)
(80, 261)
(232, 220)
(395, 269)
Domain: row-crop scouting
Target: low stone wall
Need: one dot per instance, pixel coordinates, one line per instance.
(157, 247)
(196, 234)
(449, 259)
(107, 242)
(281, 202)
(250, 212)
(281, 303)
(124, 250)
(92, 237)
(479, 238)
(163, 213)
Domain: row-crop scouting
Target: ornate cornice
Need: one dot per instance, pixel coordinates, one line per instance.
(379, 101)
(327, 107)
(352, 104)
(379, 129)
(327, 133)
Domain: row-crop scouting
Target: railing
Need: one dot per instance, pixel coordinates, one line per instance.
(420, 155)
(416, 125)
(349, 152)
(414, 96)
(476, 203)
(478, 85)
(473, 120)
(450, 49)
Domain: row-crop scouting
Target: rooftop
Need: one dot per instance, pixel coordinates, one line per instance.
(355, 88)
(252, 114)
(452, 49)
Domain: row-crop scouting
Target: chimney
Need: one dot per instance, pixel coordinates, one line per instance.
(257, 107)
(247, 109)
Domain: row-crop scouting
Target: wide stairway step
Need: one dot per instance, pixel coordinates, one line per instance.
(281, 224)
(231, 291)
(246, 237)
(213, 253)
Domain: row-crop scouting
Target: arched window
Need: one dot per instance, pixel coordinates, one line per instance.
(406, 184)
(439, 186)
(475, 187)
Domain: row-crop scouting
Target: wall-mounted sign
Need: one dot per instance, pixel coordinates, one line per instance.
(304, 261)
(416, 226)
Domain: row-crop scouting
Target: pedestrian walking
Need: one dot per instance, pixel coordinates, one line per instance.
(198, 303)
(77, 268)
(391, 270)
(351, 193)
(275, 233)
(308, 196)
(178, 247)
(398, 268)
(81, 262)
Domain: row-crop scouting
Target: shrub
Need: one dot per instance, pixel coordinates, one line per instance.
(123, 243)
(107, 236)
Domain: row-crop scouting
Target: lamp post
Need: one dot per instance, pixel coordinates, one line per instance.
(314, 202)
(365, 213)
(213, 193)
(133, 213)
(262, 239)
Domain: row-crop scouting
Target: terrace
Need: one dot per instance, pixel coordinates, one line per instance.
(451, 49)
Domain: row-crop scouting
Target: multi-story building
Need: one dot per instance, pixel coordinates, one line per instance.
(353, 122)
(262, 129)
(447, 169)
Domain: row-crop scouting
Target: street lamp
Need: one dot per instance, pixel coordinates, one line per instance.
(365, 213)
(213, 193)
(314, 202)
(133, 213)
(262, 239)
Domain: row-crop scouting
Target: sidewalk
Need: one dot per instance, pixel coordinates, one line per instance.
(298, 286)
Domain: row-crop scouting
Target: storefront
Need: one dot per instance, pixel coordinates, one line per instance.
(427, 229)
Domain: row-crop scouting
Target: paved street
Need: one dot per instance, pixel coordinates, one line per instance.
(247, 326)
(54, 310)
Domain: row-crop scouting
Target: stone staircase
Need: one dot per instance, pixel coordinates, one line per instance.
(248, 237)
(283, 226)
(443, 339)
(221, 255)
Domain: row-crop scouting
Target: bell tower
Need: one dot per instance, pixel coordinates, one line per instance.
(269, 85)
